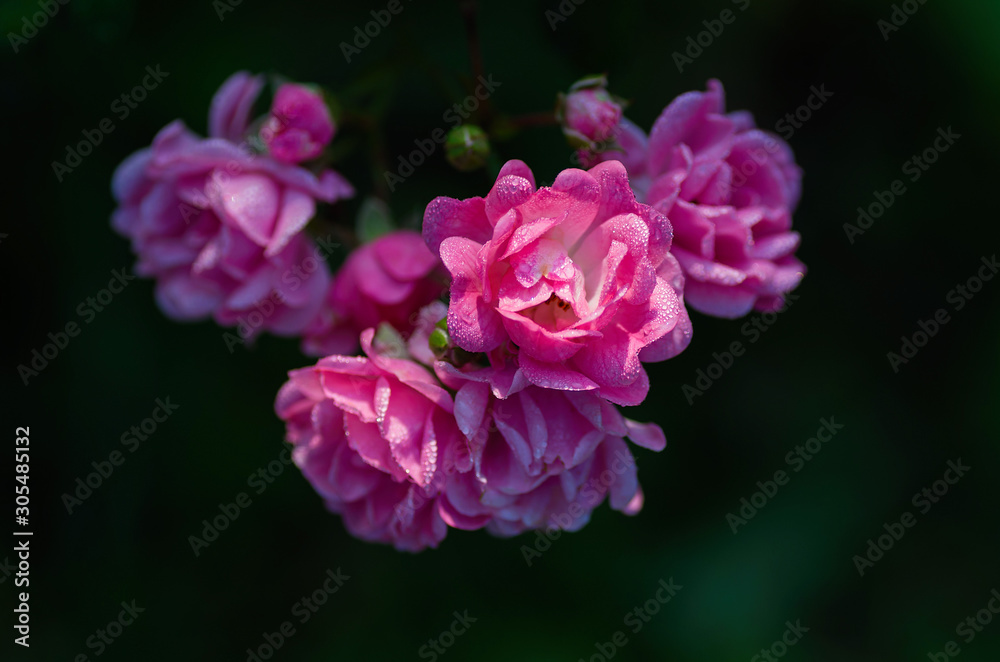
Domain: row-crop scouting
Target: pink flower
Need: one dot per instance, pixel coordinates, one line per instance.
(562, 500)
(220, 228)
(375, 436)
(590, 116)
(541, 457)
(577, 276)
(388, 447)
(387, 280)
(299, 127)
(729, 190)
(229, 113)
(374, 507)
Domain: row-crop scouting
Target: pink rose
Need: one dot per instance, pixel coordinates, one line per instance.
(219, 227)
(729, 190)
(562, 500)
(542, 457)
(388, 280)
(576, 279)
(299, 127)
(590, 116)
(376, 436)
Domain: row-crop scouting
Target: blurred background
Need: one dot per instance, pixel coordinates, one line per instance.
(824, 358)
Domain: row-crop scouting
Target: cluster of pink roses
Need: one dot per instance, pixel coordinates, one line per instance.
(497, 409)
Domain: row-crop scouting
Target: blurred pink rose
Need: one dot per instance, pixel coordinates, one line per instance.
(299, 127)
(219, 227)
(388, 280)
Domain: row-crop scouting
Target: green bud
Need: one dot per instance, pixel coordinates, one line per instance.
(467, 147)
(438, 339)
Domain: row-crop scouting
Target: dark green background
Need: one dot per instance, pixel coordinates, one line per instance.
(824, 357)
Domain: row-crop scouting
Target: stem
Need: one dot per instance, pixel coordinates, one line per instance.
(544, 118)
(327, 225)
(376, 145)
(380, 161)
(470, 11)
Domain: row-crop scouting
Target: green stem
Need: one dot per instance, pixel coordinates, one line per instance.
(528, 120)
(470, 11)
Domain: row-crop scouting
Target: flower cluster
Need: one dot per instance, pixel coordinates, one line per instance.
(497, 342)
(403, 450)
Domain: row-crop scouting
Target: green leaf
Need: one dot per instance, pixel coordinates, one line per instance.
(389, 342)
(374, 220)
